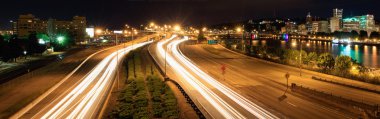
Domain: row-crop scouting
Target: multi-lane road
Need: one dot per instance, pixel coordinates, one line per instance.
(250, 87)
(213, 98)
(82, 93)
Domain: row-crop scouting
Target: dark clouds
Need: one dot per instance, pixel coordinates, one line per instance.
(117, 12)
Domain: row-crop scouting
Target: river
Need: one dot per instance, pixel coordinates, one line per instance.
(364, 54)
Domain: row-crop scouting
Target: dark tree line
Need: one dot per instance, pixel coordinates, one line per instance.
(14, 47)
(361, 35)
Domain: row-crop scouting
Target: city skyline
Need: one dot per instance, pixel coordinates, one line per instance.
(190, 59)
(197, 12)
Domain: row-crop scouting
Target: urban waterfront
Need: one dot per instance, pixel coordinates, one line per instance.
(364, 54)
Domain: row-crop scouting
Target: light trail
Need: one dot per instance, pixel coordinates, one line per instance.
(252, 108)
(218, 103)
(85, 100)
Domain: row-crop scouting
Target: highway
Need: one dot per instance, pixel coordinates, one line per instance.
(263, 82)
(81, 94)
(213, 98)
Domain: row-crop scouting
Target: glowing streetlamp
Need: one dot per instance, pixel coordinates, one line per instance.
(204, 29)
(60, 39)
(151, 24)
(99, 31)
(177, 28)
(294, 44)
(238, 30)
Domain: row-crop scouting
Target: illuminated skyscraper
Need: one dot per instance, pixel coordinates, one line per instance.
(338, 13)
(336, 22)
(309, 23)
(364, 22)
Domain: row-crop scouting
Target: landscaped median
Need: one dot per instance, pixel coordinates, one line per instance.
(145, 95)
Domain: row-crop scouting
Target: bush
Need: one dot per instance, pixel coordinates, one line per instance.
(123, 110)
(131, 72)
(141, 113)
(157, 109)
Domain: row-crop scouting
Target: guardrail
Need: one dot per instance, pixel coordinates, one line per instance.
(346, 85)
(189, 100)
(373, 111)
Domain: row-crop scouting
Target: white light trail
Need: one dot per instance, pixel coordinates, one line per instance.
(219, 104)
(240, 100)
(86, 98)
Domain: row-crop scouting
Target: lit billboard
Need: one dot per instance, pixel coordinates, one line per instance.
(90, 32)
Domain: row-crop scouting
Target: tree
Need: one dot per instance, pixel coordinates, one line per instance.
(375, 35)
(311, 58)
(354, 34)
(201, 36)
(15, 47)
(2, 45)
(32, 43)
(338, 34)
(326, 61)
(343, 64)
(293, 56)
(363, 35)
(248, 27)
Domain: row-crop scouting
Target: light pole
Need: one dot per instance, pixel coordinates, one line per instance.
(300, 58)
(242, 39)
(117, 63)
(166, 50)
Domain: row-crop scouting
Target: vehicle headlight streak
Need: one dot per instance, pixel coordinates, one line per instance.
(101, 77)
(226, 110)
(240, 100)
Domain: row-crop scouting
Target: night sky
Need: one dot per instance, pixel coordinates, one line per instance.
(115, 13)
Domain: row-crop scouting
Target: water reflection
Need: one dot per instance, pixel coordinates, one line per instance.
(367, 55)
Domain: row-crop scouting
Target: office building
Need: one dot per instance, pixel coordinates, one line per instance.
(338, 13)
(336, 22)
(357, 23)
(27, 24)
(320, 26)
(309, 23)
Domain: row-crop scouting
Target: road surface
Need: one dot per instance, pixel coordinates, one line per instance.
(263, 82)
(214, 99)
(81, 93)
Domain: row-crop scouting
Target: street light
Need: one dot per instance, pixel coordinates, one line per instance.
(300, 58)
(151, 24)
(99, 31)
(177, 28)
(25, 53)
(60, 39)
(238, 29)
(204, 29)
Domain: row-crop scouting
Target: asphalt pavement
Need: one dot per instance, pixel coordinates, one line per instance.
(82, 92)
(264, 82)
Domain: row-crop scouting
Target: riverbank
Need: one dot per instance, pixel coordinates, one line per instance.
(289, 57)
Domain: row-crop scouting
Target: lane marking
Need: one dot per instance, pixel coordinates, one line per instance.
(40, 98)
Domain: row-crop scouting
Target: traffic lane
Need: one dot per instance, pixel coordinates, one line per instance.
(53, 98)
(229, 97)
(74, 79)
(265, 91)
(28, 86)
(234, 100)
(196, 97)
(200, 100)
(277, 71)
